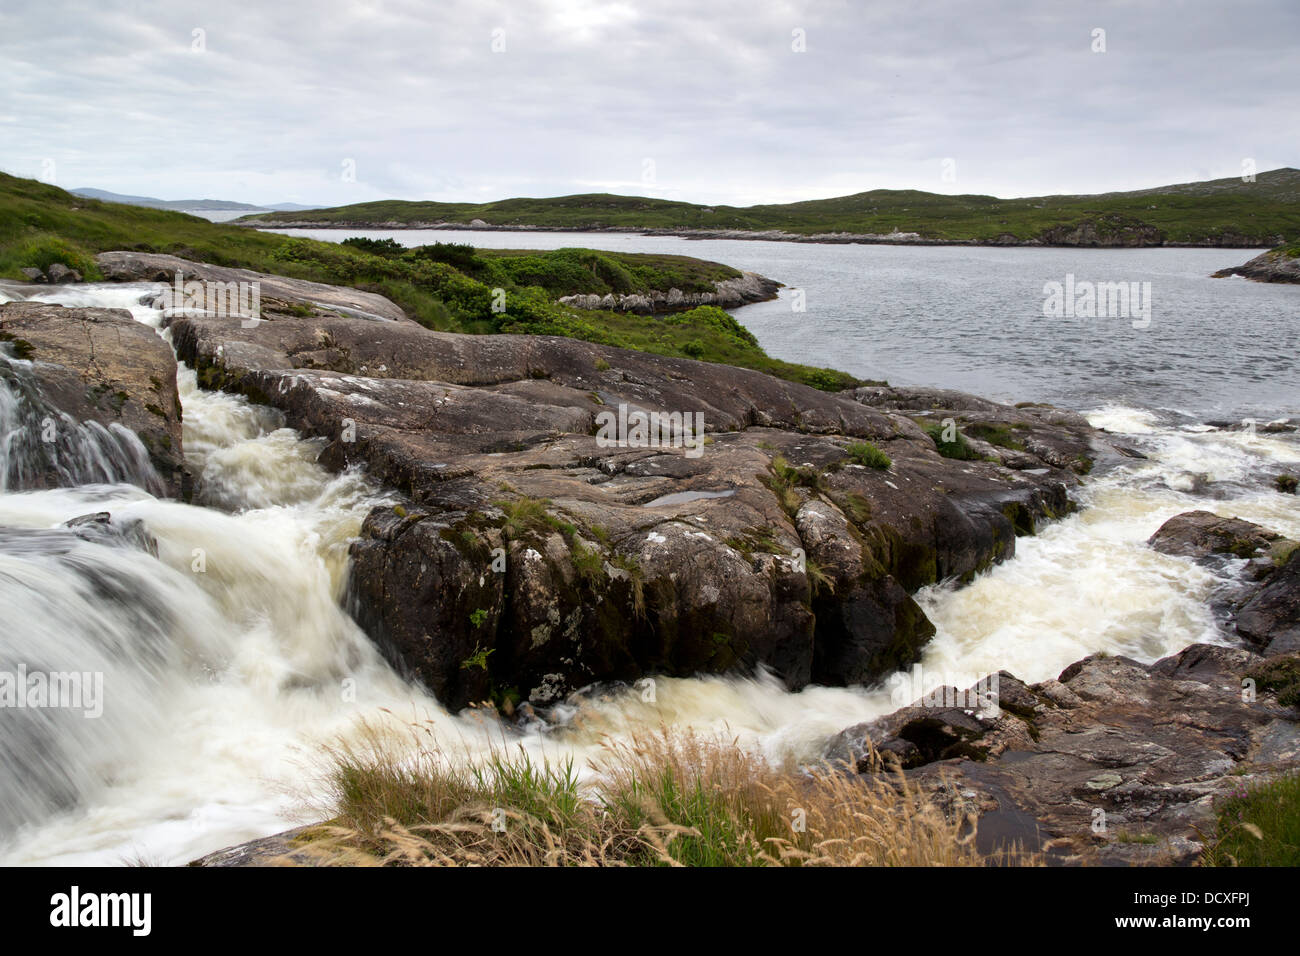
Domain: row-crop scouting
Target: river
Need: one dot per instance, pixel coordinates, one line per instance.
(224, 685)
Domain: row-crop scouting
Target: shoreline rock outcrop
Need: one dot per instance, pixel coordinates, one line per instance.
(1272, 266)
(727, 294)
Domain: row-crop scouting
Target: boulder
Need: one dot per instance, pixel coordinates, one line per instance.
(59, 274)
(94, 400)
(1263, 606)
(1203, 534)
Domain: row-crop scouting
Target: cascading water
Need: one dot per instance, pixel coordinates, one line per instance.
(37, 440)
(227, 661)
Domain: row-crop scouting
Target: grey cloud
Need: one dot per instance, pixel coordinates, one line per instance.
(412, 92)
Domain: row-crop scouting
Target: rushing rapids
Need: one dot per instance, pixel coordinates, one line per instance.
(227, 658)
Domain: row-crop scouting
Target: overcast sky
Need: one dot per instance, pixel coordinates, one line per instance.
(703, 100)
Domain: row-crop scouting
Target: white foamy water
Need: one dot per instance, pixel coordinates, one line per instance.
(232, 662)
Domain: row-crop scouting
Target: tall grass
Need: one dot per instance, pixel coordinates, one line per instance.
(669, 798)
(1259, 826)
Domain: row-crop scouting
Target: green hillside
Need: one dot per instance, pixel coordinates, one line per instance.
(442, 286)
(1226, 211)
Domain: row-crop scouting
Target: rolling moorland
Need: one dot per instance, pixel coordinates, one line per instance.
(447, 288)
(1222, 212)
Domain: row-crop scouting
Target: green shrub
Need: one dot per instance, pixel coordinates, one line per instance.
(388, 248)
(865, 453)
(957, 448)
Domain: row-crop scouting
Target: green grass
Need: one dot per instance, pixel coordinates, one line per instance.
(443, 286)
(1001, 435)
(1211, 211)
(1259, 826)
(957, 448)
(865, 453)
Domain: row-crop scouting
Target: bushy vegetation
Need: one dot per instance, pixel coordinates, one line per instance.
(958, 448)
(444, 286)
(1280, 674)
(667, 799)
(42, 252)
(1193, 212)
(1258, 826)
(865, 453)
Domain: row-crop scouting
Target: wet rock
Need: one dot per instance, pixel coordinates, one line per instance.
(1133, 751)
(33, 274)
(1271, 619)
(545, 558)
(1201, 534)
(101, 528)
(1263, 605)
(95, 400)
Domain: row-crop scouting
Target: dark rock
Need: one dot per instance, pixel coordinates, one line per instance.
(100, 528)
(59, 274)
(33, 274)
(1272, 266)
(1271, 619)
(1139, 751)
(1200, 534)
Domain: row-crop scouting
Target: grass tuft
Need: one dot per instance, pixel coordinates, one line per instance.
(657, 799)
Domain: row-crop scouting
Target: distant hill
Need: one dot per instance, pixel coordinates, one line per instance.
(1221, 212)
(186, 205)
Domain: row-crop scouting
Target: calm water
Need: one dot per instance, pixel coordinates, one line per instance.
(972, 318)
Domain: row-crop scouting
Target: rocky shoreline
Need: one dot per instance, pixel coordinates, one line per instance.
(747, 288)
(1085, 235)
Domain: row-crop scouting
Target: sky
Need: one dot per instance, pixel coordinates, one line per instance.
(724, 102)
